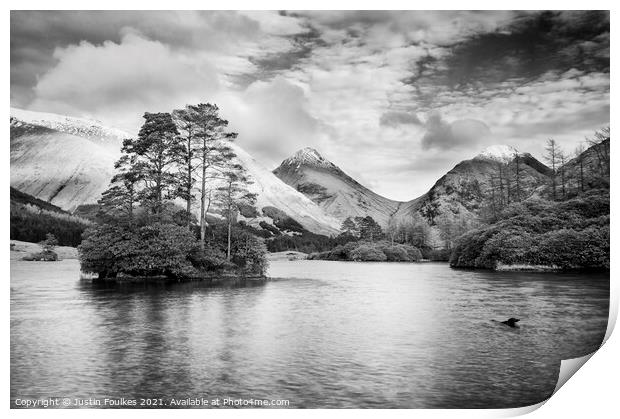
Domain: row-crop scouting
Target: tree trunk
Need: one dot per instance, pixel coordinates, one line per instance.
(581, 173)
(229, 233)
(189, 182)
(203, 197)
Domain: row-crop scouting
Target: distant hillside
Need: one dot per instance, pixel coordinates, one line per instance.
(33, 218)
(468, 187)
(19, 197)
(588, 170)
(66, 168)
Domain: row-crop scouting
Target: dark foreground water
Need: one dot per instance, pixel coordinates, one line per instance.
(325, 334)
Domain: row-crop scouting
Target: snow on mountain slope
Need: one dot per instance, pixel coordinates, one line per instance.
(91, 129)
(501, 153)
(271, 191)
(332, 189)
(64, 169)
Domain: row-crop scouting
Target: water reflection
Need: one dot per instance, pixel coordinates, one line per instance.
(325, 334)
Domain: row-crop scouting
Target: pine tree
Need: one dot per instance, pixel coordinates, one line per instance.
(552, 150)
(207, 152)
(350, 227)
(369, 229)
(120, 198)
(156, 152)
(188, 130)
(50, 243)
(230, 195)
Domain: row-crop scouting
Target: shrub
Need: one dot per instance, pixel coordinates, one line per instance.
(396, 253)
(572, 234)
(157, 249)
(439, 255)
(249, 252)
(268, 227)
(247, 210)
(508, 247)
(207, 259)
(282, 219)
(415, 255)
(367, 253)
(570, 249)
(45, 255)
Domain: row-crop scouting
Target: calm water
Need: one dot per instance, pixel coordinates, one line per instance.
(324, 334)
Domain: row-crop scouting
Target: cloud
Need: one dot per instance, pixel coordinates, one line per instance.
(120, 81)
(444, 135)
(395, 118)
(351, 84)
(272, 119)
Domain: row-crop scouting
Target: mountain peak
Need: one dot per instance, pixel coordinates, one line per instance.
(499, 152)
(307, 156)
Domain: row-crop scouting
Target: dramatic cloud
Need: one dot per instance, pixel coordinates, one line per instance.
(443, 135)
(394, 118)
(134, 75)
(395, 98)
(272, 119)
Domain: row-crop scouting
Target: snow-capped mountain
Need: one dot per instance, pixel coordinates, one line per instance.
(462, 191)
(90, 129)
(500, 153)
(66, 168)
(458, 195)
(333, 190)
(70, 161)
(272, 192)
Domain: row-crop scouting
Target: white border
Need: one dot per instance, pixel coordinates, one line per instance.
(592, 393)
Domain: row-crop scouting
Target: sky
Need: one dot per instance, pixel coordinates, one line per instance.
(394, 98)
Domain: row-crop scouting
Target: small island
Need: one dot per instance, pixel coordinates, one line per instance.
(143, 234)
(47, 251)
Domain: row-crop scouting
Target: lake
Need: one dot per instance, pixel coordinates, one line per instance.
(320, 334)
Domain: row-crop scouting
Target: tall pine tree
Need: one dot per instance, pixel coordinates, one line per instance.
(120, 198)
(207, 152)
(157, 152)
(231, 194)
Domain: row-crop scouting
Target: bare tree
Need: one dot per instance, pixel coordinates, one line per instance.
(562, 171)
(600, 145)
(552, 154)
(392, 228)
(517, 166)
(579, 160)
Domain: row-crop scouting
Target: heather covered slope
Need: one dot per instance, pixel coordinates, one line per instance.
(467, 188)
